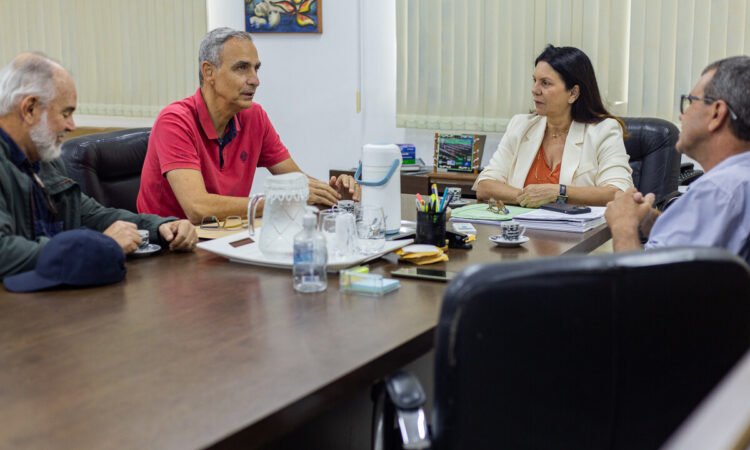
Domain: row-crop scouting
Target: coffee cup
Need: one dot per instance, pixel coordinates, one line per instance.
(453, 194)
(144, 239)
(346, 205)
(511, 230)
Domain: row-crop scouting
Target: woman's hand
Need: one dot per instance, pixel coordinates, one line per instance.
(535, 195)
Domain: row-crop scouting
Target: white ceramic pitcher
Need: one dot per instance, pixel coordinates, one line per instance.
(285, 199)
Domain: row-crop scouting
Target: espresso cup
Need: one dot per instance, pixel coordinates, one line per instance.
(453, 193)
(144, 239)
(511, 230)
(346, 205)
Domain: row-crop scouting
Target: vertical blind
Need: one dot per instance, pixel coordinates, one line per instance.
(128, 58)
(672, 41)
(467, 64)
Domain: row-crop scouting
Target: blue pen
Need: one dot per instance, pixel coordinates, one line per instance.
(442, 202)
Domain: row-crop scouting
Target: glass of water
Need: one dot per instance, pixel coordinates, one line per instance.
(370, 227)
(338, 228)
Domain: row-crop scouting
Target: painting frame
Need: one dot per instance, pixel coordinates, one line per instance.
(284, 16)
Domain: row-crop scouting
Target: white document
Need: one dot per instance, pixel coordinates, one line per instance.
(597, 212)
(542, 219)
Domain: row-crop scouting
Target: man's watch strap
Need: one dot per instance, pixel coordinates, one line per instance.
(563, 196)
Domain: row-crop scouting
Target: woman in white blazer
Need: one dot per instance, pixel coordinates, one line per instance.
(571, 150)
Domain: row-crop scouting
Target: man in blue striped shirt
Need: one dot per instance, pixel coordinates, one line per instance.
(715, 211)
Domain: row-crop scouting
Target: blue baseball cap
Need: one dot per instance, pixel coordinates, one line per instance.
(76, 258)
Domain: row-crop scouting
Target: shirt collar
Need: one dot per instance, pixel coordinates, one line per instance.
(17, 156)
(733, 160)
(204, 118)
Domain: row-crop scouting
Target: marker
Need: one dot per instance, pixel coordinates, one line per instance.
(442, 202)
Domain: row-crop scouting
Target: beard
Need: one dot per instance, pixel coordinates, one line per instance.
(45, 140)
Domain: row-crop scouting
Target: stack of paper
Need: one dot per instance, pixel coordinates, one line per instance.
(542, 219)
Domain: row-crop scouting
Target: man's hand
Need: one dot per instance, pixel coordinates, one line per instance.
(180, 234)
(647, 222)
(322, 193)
(535, 195)
(345, 184)
(624, 216)
(125, 234)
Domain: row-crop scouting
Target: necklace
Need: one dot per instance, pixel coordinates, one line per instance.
(536, 169)
(560, 133)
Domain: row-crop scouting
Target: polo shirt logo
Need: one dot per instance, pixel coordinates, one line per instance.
(243, 156)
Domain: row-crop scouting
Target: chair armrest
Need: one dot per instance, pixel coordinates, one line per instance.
(407, 395)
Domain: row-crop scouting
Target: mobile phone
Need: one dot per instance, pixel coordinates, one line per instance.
(424, 274)
(566, 208)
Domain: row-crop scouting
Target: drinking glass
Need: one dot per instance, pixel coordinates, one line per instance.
(370, 227)
(338, 228)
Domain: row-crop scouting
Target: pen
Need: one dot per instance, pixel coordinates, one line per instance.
(442, 202)
(419, 197)
(434, 190)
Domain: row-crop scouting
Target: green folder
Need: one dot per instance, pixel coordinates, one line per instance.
(479, 211)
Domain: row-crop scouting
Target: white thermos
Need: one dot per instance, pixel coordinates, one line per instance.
(379, 175)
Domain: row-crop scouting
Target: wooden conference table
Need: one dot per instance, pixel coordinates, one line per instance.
(191, 350)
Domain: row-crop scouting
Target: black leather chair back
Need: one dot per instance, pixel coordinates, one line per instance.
(108, 166)
(653, 158)
(609, 352)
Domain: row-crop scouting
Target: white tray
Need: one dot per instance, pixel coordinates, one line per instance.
(251, 254)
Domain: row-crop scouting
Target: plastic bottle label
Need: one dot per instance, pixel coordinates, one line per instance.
(304, 253)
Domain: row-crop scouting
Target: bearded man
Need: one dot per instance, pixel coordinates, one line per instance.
(37, 199)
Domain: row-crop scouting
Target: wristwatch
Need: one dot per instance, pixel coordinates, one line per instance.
(563, 196)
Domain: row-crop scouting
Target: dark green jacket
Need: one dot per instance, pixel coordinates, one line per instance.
(19, 246)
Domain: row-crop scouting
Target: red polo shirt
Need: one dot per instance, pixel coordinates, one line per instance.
(183, 137)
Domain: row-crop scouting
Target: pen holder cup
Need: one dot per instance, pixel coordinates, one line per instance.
(431, 228)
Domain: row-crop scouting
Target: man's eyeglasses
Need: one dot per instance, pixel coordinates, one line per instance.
(687, 100)
(230, 223)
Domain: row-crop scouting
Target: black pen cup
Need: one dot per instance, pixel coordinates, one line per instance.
(431, 228)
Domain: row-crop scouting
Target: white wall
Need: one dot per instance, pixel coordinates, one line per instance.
(309, 84)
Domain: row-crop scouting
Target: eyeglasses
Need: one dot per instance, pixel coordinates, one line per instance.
(230, 223)
(687, 100)
(496, 207)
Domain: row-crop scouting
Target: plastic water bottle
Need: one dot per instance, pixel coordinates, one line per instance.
(310, 257)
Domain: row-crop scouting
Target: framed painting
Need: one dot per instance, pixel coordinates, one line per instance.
(283, 16)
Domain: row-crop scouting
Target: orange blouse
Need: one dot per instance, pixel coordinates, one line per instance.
(540, 172)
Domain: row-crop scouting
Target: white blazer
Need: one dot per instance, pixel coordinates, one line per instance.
(594, 154)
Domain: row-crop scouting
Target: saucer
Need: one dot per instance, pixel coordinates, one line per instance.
(458, 203)
(149, 250)
(501, 242)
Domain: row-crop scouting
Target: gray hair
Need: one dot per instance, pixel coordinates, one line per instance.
(28, 74)
(213, 43)
(731, 83)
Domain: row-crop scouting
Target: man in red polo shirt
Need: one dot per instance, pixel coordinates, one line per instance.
(203, 150)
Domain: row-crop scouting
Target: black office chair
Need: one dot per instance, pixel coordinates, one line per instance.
(653, 158)
(108, 166)
(606, 352)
